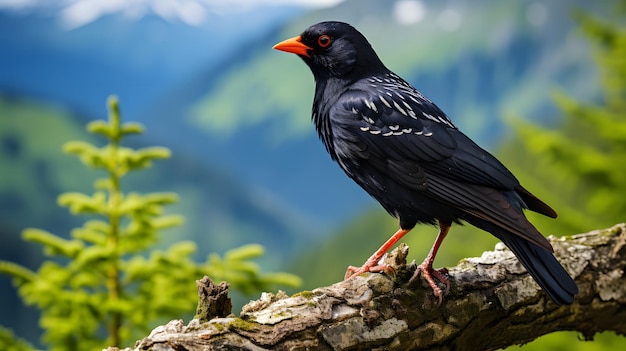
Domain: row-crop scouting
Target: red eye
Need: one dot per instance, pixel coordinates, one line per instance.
(323, 41)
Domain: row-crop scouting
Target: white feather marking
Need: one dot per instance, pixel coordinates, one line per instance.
(444, 121)
(384, 101)
(395, 104)
(431, 117)
(415, 100)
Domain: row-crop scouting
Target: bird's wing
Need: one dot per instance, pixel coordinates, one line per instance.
(402, 133)
(401, 124)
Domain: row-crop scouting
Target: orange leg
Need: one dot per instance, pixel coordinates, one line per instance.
(372, 264)
(426, 268)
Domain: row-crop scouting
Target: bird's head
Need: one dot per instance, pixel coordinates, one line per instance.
(334, 49)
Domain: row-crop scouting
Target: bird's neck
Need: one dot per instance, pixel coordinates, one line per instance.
(327, 91)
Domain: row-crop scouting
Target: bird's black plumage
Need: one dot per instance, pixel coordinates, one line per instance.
(407, 154)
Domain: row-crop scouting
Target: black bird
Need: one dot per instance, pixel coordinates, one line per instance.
(407, 154)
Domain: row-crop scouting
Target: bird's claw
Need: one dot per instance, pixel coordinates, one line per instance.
(428, 272)
(353, 271)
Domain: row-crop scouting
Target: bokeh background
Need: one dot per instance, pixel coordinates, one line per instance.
(247, 165)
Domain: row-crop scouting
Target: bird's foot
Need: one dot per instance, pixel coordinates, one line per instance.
(374, 266)
(427, 271)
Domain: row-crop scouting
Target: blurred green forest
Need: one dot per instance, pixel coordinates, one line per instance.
(578, 166)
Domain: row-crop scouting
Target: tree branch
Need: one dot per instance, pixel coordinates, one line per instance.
(491, 295)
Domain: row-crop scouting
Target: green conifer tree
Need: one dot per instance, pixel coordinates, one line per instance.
(106, 286)
(580, 166)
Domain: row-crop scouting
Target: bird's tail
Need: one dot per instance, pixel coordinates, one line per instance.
(543, 267)
(538, 261)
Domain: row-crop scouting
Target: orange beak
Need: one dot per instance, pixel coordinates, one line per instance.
(293, 45)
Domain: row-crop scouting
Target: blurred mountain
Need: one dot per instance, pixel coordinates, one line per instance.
(219, 94)
(219, 208)
(480, 63)
(137, 58)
